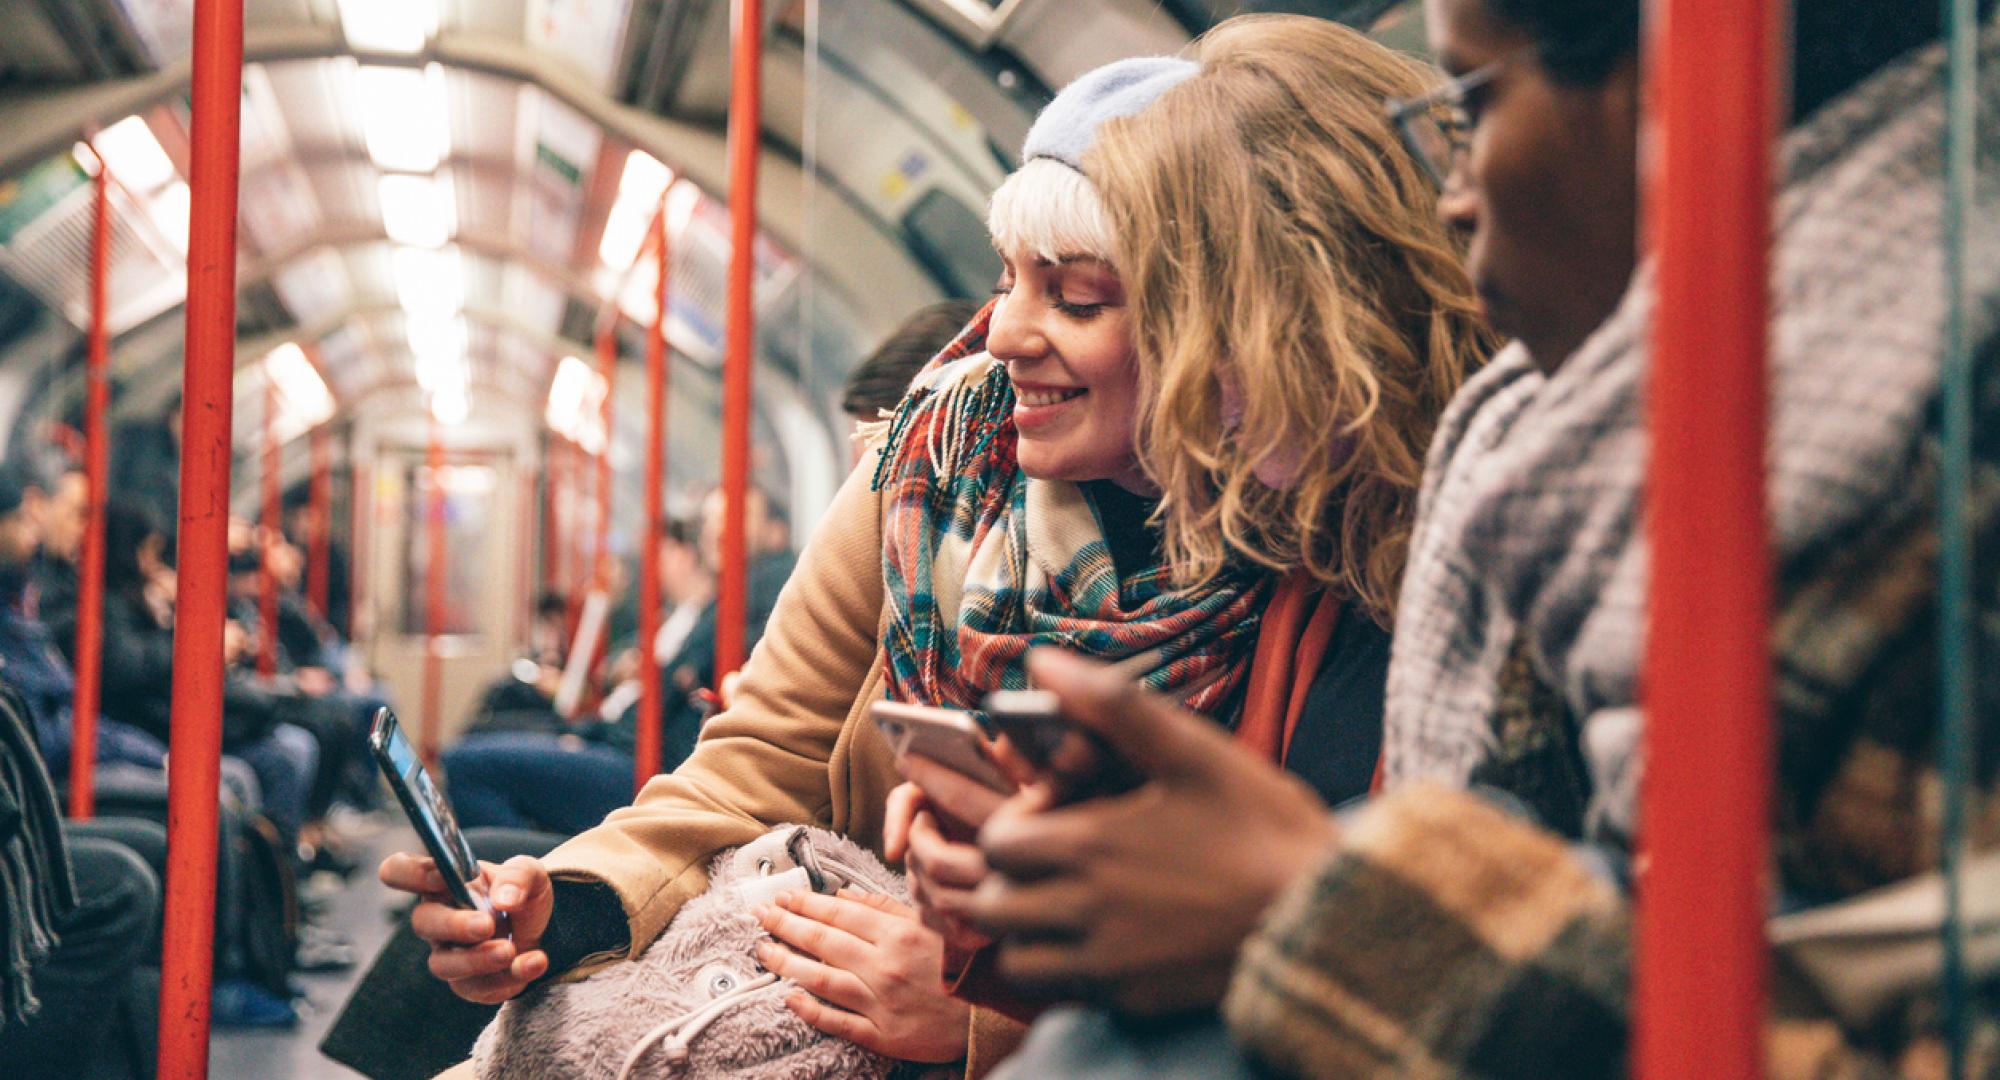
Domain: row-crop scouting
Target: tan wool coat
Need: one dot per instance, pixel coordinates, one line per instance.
(795, 745)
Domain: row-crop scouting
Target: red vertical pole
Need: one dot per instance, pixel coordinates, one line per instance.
(524, 578)
(433, 600)
(745, 138)
(552, 513)
(362, 497)
(210, 360)
(267, 582)
(646, 754)
(1701, 961)
(607, 369)
(319, 514)
(90, 575)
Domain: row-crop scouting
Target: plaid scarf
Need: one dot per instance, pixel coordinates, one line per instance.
(981, 563)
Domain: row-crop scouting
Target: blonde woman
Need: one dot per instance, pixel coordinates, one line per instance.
(1006, 507)
(1302, 317)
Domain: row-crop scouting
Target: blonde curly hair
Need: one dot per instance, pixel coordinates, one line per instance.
(1296, 301)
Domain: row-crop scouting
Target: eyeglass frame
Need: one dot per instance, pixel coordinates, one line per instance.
(1407, 113)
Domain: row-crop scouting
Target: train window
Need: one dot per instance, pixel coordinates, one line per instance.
(469, 515)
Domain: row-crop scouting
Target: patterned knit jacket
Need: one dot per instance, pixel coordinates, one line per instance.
(1447, 937)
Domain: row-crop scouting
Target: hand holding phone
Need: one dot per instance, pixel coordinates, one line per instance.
(1076, 764)
(430, 815)
(947, 736)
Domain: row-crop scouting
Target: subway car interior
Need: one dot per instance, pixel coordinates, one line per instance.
(1014, 538)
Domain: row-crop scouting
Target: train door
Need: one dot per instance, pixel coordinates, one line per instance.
(483, 497)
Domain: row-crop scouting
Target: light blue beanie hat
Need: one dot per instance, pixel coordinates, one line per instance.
(1067, 127)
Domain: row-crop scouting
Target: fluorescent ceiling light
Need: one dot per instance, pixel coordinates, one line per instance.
(403, 116)
(430, 283)
(639, 190)
(169, 210)
(576, 404)
(400, 26)
(451, 406)
(681, 204)
(439, 338)
(417, 210)
(304, 402)
(134, 156)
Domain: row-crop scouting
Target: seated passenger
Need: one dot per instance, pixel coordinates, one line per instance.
(567, 782)
(32, 663)
(139, 668)
(1441, 932)
(882, 379)
(80, 914)
(1008, 508)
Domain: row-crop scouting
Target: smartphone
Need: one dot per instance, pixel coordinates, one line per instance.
(1077, 763)
(1031, 720)
(430, 814)
(947, 736)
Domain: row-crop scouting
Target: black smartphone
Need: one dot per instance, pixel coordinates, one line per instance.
(1076, 762)
(430, 814)
(1031, 720)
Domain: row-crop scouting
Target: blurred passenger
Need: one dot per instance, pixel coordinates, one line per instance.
(882, 379)
(80, 912)
(1008, 509)
(304, 525)
(64, 518)
(569, 781)
(32, 663)
(1474, 920)
(139, 666)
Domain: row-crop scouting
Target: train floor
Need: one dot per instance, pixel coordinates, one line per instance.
(364, 912)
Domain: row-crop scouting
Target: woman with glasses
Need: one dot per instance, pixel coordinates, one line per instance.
(1474, 920)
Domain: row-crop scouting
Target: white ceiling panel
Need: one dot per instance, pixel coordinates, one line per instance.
(346, 192)
(311, 96)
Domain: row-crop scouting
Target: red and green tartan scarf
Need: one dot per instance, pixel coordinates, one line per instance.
(981, 564)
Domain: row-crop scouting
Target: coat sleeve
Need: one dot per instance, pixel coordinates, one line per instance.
(1442, 938)
(765, 761)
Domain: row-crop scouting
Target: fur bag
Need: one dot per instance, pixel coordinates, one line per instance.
(697, 1005)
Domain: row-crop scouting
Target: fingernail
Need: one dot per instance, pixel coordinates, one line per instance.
(507, 896)
(765, 950)
(761, 913)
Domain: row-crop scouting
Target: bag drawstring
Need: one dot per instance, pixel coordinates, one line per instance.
(680, 1031)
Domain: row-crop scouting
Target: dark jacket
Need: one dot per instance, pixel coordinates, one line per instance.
(693, 668)
(139, 676)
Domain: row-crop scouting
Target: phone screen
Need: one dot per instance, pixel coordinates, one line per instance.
(426, 805)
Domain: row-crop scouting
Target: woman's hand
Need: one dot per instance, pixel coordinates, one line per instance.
(930, 825)
(1143, 899)
(873, 974)
(464, 951)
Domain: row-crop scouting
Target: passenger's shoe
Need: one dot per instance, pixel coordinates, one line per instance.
(240, 1003)
(323, 950)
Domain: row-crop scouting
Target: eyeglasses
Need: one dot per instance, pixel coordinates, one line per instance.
(1437, 127)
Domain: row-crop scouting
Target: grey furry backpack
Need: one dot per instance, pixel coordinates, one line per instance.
(697, 1005)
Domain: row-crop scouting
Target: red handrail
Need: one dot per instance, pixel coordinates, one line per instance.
(195, 730)
(319, 512)
(90, 567)
(433, 716)
(361, 499)
(745, 138)
(607, 369)
(552, 513)
(1701, 961)
(269, 517)
(646, 753)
